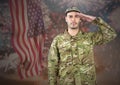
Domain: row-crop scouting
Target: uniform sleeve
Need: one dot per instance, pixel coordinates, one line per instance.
(104, 34)
(53, 63)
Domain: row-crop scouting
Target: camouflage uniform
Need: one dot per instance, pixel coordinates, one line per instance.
(71, 60)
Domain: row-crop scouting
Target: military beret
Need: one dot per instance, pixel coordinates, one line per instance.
(71, 9)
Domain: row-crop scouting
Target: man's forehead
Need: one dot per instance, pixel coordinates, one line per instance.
(73, 13)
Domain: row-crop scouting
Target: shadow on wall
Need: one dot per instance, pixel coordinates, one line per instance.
(107, 62)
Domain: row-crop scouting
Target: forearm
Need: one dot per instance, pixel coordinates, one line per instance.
(52, 69)
(53, 63)
(105, 32)
(52, 76)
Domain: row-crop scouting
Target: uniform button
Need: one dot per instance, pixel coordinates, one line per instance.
(86, 83)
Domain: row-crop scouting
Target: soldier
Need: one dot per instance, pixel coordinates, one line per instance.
(70, 58)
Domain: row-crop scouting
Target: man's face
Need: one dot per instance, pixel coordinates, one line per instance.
(73, 20)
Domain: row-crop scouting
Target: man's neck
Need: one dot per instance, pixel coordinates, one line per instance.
(73, 32)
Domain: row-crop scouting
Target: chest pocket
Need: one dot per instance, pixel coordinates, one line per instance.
(64, 47)
(84, 46)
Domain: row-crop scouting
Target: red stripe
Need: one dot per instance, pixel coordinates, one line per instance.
(14, 37)
(33, 56)
(23, 22)
(32, 61)
(25, 47)
(40, 53)
(19, 32)
(13, 28)
(40, 49)
(37, 46)
(28, 49)
(24, 26)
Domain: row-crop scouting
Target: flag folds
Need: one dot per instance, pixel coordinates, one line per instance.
(27, 35)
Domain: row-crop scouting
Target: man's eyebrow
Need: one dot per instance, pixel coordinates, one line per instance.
(76, 15)
(70, 15)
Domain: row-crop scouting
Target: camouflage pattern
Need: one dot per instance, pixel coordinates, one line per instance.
(71, 60)
(72, 9)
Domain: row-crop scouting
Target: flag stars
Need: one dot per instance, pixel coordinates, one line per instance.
(35, 19)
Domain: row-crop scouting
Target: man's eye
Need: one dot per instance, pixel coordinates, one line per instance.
(77, 16)
(70, 16)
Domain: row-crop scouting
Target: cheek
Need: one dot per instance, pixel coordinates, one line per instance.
(79, 21)
(68, 21)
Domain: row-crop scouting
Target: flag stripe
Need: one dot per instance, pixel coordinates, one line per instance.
(25, 41)
(33, 59)
(28, 72)
(28, 48)
(19, 40)
(12, 9)
(20, 31)
(17, 30)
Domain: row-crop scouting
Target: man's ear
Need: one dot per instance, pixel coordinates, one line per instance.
(65, 19)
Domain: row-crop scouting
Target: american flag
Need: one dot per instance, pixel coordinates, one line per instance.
(27, 35)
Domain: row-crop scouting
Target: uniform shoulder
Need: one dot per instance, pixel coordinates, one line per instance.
(59, 36)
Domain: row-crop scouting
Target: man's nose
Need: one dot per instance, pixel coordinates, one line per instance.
(73, 19)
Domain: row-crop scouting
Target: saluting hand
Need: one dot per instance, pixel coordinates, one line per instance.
(87, 18)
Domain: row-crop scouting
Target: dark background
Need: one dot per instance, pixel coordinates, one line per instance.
(107, 56)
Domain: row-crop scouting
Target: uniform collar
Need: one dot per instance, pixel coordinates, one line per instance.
(68, 36)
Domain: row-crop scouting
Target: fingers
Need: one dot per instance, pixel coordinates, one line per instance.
(85, 17)
(82, 15)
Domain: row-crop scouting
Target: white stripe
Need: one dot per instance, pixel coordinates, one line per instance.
(16, 28)
(21, 30)
(26, 38)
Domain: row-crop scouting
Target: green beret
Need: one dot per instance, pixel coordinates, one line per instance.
(72, 9)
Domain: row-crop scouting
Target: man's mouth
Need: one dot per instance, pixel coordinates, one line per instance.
(74, 23)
